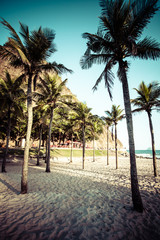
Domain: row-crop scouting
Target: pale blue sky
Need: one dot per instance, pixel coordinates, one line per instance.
(69, 19)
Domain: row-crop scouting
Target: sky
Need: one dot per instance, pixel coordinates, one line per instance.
(70, 19)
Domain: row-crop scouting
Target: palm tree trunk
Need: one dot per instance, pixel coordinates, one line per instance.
(116, 146)
(83, 158)
(112, 134)
(60, 138)
(107, 145)
(49, 142)
(94, 149)
(7, 143)
(71, 156)
(136, 197)
(24, 184)
(40, 139)
(46, 149)
(153, 145)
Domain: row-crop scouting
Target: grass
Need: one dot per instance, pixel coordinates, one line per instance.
(58, 152)
(77, 153)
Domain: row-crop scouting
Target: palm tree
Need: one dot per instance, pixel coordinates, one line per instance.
(21, 127)
(30, 55)
(148, 99)
(39, 122)
(115, 115)
(69, 125)
(121, 25)
(11, 101)
(96, 128)
(108, 122)
(51, 96)
(83, 119)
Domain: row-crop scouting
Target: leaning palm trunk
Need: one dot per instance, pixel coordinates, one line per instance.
(116, 146)
(83, 157)
(24, 184)
(39, 148)
(107, 145)
(49, 142)
(136, 197)
(7, 143)
(153, 145)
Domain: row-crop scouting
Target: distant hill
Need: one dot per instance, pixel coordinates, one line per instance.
(149, 148)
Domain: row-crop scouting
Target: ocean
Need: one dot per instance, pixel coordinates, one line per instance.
(146, 153)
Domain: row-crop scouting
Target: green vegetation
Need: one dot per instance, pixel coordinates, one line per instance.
(56, 152)
(77, 153)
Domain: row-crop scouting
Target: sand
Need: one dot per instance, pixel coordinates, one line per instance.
(71, 203)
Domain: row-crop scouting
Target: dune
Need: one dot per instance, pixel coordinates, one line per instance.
(71, 203)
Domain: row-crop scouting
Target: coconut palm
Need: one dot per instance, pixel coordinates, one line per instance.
(11, 98)
(29, 51)
(148, 99)
(115, 115)
(121, 25)
(51, 96)
(82, 119)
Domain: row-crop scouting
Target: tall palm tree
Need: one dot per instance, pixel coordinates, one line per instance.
(30, 54)
(121, 25)
(148, 99)
(83, 119)
(115, 115)
(51, 96)
(11, 98)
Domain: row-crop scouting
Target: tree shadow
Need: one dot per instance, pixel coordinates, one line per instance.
(10, 187)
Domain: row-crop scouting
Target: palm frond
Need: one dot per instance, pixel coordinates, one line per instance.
(140, 109)
(114, 17)
(18, 81)
(88, 60)
(12, 32)
(7, 53)
(24, 32)
(58, 68)
(9, 80)
(142, 12)
(108, 78)
(148, 48)
(99, 43)
(107, 7)
(44, 83)
(49, 34)
(19, 52)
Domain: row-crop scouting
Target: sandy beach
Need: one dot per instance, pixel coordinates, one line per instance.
(71, 203)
